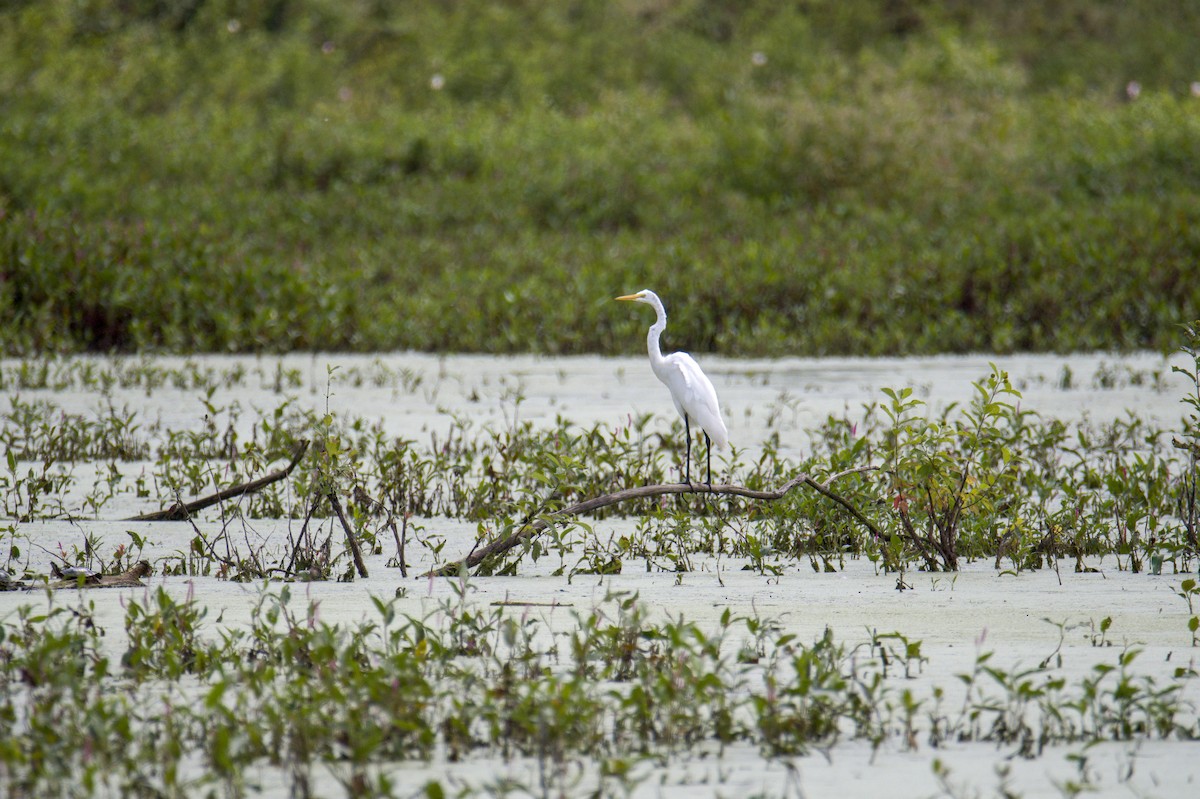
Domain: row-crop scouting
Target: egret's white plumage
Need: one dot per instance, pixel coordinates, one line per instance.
(691, 390)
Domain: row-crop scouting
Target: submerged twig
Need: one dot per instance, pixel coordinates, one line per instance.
(180, 512)
(301, 539)
(480, 554)
(355, 551)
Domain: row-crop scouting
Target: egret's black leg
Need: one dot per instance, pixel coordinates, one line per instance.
(687, 459)
(708, 458)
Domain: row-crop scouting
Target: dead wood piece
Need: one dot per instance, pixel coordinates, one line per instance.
(130, 578)
(182, 512)
(517, 604)
(502, 545)
(355, 550)
(1187, 446)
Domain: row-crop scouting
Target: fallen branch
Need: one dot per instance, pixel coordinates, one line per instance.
(130, 578)
(527, 531)
(180, 512)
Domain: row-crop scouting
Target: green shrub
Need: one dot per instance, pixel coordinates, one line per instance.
(862, 177)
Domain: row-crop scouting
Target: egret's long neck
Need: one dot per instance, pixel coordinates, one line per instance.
(656, 329)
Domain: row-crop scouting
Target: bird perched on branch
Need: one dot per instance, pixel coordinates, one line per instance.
(692, 391)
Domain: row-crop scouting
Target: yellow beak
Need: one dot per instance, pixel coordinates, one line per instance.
(637, 296)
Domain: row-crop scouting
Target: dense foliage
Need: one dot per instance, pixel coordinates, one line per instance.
(858, 176)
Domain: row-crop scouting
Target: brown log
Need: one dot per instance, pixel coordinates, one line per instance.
(130, 578)
(502, 545)
(182, 512)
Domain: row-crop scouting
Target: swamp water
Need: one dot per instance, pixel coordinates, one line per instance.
(1048, 624)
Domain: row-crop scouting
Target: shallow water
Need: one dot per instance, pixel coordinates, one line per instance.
(412, 393)
(1020, 617)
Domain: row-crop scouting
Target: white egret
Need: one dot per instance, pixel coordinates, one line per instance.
(691, 390)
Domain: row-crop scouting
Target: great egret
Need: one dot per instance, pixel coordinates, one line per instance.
(691, 390)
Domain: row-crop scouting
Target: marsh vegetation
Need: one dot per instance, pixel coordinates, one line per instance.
(928, 487)
(992, 592)
(861, 177)
(553, 667)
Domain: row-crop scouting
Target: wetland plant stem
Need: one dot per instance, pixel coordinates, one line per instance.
(350, 539)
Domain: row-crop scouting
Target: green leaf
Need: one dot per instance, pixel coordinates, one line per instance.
(212, 699)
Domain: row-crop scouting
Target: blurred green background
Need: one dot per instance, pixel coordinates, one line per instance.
(794, 178)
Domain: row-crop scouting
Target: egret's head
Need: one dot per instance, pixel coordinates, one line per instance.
(642, 296)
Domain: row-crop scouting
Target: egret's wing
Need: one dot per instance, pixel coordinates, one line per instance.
(694, 395)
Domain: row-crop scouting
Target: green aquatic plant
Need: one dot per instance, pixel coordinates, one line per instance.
(163, 638)
(1189, 591)
(291, 694)
(1187, 504)
(949, 478)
